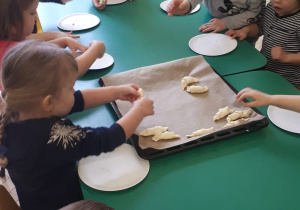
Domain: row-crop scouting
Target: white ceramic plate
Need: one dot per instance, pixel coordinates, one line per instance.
(284, 119)
(102, 63)
(113, 171)
(113, 2)
(212, 44)
(163, 6)
(78, 21)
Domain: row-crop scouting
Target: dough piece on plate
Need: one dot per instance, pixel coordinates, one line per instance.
(196, 89)
(235, 122)
(153, 131)
(238, 114)
(141, 92)
(201, 132)
(165, 135)
(222, 113)
(188, 80)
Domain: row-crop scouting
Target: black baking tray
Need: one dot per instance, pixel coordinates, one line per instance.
(151, 153)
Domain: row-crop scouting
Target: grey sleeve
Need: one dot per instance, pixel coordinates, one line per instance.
(247, 17)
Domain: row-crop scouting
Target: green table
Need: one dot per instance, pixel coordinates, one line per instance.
(139, 34)
(258, 170)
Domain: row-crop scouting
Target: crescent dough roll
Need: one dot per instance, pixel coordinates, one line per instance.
(222, 113)
(238, 114)
(154, 130)
(165, 135)
(201, 132)
(141, 92)
(235, 123)
(196, 89)
(188, 80)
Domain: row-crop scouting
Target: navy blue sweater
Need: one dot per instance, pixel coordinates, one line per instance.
(42, 155)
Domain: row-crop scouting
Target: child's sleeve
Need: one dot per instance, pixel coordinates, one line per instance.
(78, 103)
(252, 15)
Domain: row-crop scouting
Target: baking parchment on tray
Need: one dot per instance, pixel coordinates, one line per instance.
(180, 111)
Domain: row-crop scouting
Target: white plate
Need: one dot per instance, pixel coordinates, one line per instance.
(102, 63)
(163, 6)
(78, 21)
(113, 2)
(284, 119)
(112, 171)
(212, 44)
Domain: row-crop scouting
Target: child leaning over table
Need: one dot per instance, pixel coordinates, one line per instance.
(16, 24)
(291, 102)
(281, 42)
(42, 145)
(228, 14)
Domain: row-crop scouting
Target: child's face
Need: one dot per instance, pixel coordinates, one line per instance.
(29, 16)
(285, 7)
(64, 101)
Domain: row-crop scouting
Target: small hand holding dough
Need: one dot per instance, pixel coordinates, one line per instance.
(188, 80)
(196, 89)
(222, 113)
(165, 135)
(201, 132)
(141, 92)
(235, 123)
(153, 131)
(238, 114)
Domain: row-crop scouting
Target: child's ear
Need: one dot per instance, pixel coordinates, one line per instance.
(47, 103)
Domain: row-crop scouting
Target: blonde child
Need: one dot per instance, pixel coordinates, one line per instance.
(228, 14)
(291, 102)
(17, 19)
(42, 145)
(280, 27)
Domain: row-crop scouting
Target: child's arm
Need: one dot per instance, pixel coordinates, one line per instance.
(279, 54)
(291, 102)
(130, 121)
(247, 31)
(50, 35)
(73, 44)
(96, 96)
(215, 25)
(87, 58)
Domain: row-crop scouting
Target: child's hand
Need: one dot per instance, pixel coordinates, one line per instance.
(59, 34)
(241, 34)
(145, 106)
(99, 46)
(99, 4)
(74, 45)
(178, 7)
(278, 54)
(259, 98)
(127, 92)
(215, 25)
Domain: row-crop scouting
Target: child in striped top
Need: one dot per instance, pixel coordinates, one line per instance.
(281, 43)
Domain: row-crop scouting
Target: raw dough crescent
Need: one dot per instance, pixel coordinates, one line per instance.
(238, 114)
(222, 113)
(201, 132)
(235, 123)
(141, 92)
(188, 80)
(196, 89)
(153, 131)
(165, 135)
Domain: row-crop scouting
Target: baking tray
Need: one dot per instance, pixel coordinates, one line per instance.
(166, 76)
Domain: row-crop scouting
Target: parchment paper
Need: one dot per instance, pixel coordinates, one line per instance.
(179, 110)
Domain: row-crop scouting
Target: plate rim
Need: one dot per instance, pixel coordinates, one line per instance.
(211, 34)
(119, 188)
(269, 110)
(113, 61)
(74, 14)
(121, 2)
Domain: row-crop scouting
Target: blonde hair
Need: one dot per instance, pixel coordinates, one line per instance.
(30, 71)
(11, 14)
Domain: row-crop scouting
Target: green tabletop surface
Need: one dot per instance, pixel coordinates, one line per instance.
(140, 33)
(257, 170)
